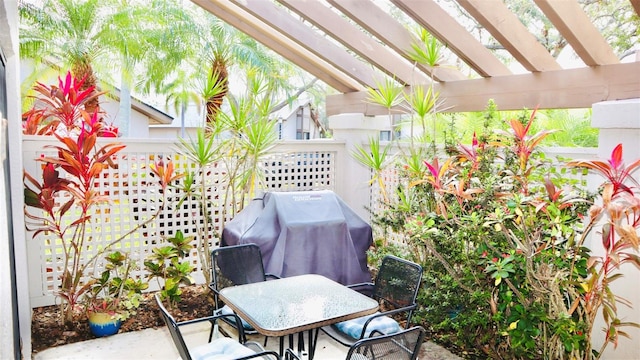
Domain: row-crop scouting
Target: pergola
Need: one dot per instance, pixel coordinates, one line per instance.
(349, 44)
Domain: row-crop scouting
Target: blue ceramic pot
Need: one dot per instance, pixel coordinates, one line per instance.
(103, 324)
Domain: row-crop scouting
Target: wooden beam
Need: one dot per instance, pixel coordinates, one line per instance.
(453, 35)
(572, 88)
(574, 25)
(244, 22)
(358, 41)
(384, 27)
(289, 26)
(507, 29)
(636, 6)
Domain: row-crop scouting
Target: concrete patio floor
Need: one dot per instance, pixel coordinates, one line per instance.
(157, 344)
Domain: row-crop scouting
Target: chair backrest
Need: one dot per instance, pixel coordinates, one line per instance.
(174, 331)
(403, 345)
(236, 265)
(397, 282)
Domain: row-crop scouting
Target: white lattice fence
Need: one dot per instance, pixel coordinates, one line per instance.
(135, 196)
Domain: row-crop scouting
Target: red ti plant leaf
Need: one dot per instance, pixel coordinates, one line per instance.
(165, 173)
(607, 237)
(613, 170)
(437, 172)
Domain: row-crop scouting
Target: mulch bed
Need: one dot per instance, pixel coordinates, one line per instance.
(47, 332)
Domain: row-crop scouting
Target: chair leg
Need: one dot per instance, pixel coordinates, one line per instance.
(213, 324)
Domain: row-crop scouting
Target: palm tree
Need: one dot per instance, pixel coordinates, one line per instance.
(214, 50)
(70, 31)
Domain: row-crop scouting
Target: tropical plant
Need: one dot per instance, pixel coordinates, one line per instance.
(71, 31)
(388, 94)
(231, 151)
(375, 159)
(618, 216)
(501, 237)
(203, 152)
(166, 263)
(116, 291)
(67, 196)
(252, 135)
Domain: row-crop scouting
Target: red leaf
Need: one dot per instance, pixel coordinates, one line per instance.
(616, 157)
(606, 236)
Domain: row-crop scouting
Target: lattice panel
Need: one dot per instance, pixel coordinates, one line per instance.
(391, 180)
(136, 196)
(300, 171)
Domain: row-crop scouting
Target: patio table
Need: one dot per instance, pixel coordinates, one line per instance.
(296, 304)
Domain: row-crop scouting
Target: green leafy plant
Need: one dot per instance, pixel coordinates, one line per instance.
(375, 158)
(233, 148)
(116, 291)
(167, 263)
(501, 239)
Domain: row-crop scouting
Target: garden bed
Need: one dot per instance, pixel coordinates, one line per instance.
(46, 330)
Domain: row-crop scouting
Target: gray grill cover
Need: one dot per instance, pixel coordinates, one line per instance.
(305, 232)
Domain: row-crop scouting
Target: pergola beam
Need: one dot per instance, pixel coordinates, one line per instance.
(280, 44)
(453, 35)
(384, 27)
(288, 26)
(636, 6)
(571, 88)
(359, 42)
(507, 29)
(574, 25)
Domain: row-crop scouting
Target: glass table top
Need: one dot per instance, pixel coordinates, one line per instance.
(297, 303)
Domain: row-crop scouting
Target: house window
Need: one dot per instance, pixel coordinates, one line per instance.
(385, 135)
(303, 127)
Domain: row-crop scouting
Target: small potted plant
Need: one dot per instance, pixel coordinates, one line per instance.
(114, 296)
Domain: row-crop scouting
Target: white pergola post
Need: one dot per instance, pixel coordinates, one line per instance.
(355, 129)
(619, 123)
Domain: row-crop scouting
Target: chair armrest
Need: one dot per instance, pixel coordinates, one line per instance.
(210, 318)
(262, 354)
(365, 288)
(290, 355)
(386, 313)
(212, 287)
(360, 285)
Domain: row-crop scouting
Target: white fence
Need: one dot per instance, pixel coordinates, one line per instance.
(135, 197)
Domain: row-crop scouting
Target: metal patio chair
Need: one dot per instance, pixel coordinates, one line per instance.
(403, 345)
(236, 265)
(396, 288)
(223, 347)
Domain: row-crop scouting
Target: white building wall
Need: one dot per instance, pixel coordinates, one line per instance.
(138, 122)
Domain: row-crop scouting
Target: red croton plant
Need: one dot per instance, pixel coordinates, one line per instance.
(619, 216)
(66, 196)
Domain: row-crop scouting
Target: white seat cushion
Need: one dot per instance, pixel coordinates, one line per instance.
(220, 349)
(353, 328)
(225, 310)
